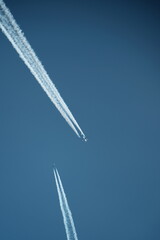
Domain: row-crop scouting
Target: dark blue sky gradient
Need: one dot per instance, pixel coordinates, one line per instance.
(104, 58)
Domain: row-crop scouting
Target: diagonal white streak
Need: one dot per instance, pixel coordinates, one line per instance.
(62, 208)
(66, 212)
(14, 34)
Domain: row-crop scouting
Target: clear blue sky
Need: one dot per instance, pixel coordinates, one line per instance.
(104, 58)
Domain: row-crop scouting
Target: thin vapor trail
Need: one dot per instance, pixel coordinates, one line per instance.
(14, 34)
(66, 212)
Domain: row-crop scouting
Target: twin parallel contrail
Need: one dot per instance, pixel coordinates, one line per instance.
(67, 215)
(14, 34)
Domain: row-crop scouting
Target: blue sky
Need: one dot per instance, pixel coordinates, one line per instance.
(103, 57)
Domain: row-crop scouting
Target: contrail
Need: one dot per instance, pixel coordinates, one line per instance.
(14, 34)
(66, 212)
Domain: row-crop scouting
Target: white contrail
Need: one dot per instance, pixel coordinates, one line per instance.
(14, 34)
(66, 213)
